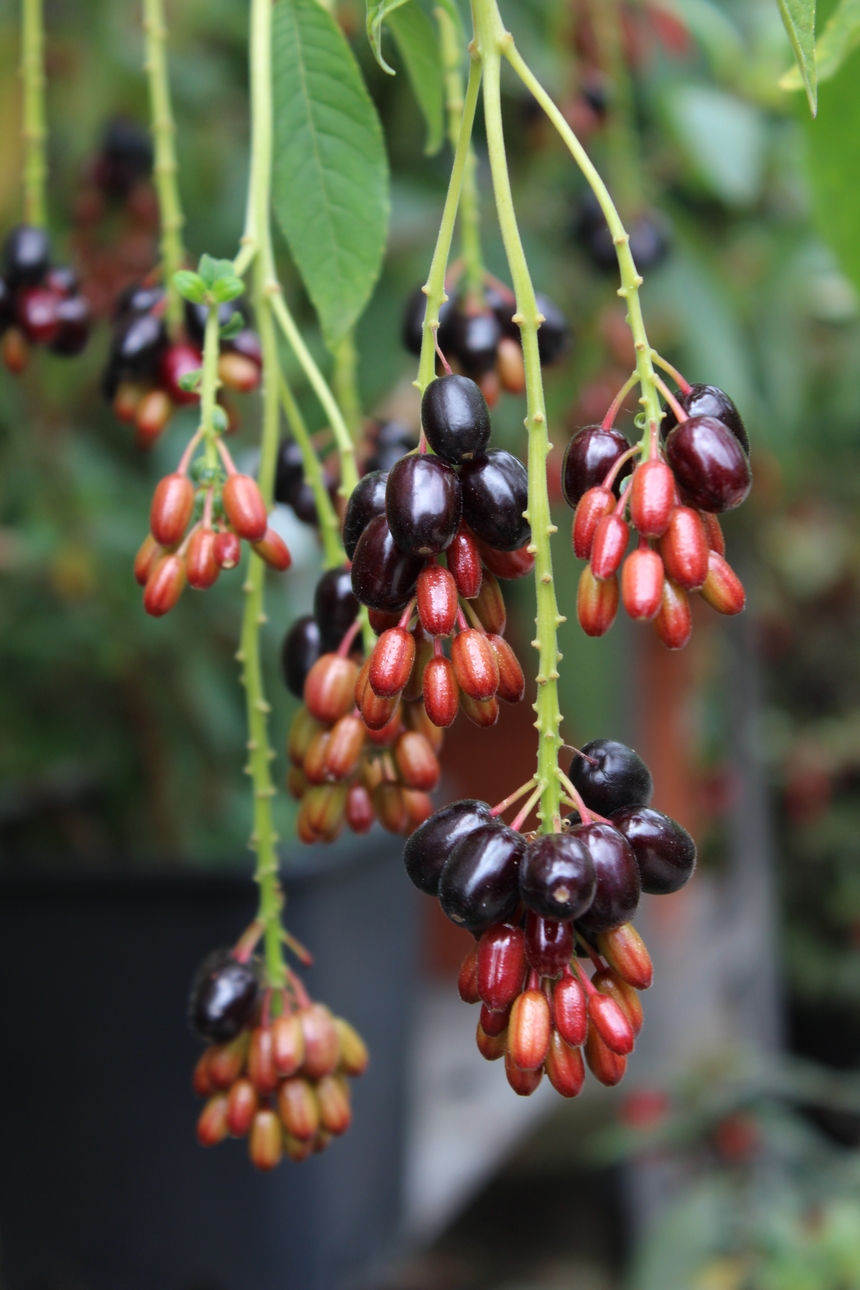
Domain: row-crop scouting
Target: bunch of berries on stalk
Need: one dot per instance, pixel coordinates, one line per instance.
(696, 469)
(149, 373)
(39, 305)
(276, 1067)
(540, 906)
(222, 507)
(479, 337)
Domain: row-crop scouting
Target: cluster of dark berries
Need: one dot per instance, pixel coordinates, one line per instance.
(291, 487)
(700, 468)
(536, 902)
(123, 161)
(648, 232)
(480, 338)
(221, 512)
(279, 1080)
(39, 305)
(148, 373)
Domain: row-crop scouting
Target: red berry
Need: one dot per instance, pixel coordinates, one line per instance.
(176, 362)
(227, 550)
(288, 1044)
(201, 566)
(244, 507)
(261, 1064)
(605, 1065)
(127, 400)
(151, 415)
(494, 1023)
(624, 995)
(265, 1143)
(274, 550)
(714, 532)
(723, 589)
(467, 981)
(529, 1030)
(333, 1097)
(238, 372)
(391, 662)
(610, 1023)
(15, 350)
(549, 944)
(38, 315)
(642, 584)
(475, 664)
(510, 366)
(610, 542)
(322, 1045)
(564, 1066)
(652, 496)
(592, 507)
(437, 600)
(626, 952)
(242, 1103)
(571, 1013)
(145, 560)
(596, 603)
(171, 509)
(684, 548)
(491, 1047)
(344, 748)
(298, 1108)
(710, 465)
(512, 683)
(419, 808)
(390, 808)
(489, 605)
(508, 564)
(164, 585)
(359, 809)
(674, 621)
(416, 762)
(501, 962)
(464, 562)
(329, 688)
(522, 1082)
(483, 712)
(212, 1124)
(441, 692)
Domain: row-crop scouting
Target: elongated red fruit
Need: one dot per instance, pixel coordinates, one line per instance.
(212, 1124)
(227, 1060)
(564, 1066)
(416, 762)
(489, 605)
(464, 562)
(467, 981)
(501, 965)
(494, 1023)
(652, 496)
(359, 809)
(261, 1065)
(605, 1065)
(391, 662)
(591, 508)
(475, 664)
(522, 1082)
(415, 718)
(529, 1030)
(419, 807)
(164, 585)
(483, 712)
(323, 810)
(642, 584)
(288, 1044)
(242, 1103)
(491, 1047)
(610, 542)
(508, 565)
(265, 1142)
(151, 415)
(273, 549)
(147, 557)
(596, 603)
(441, 691)
(322, 1044)
(674, 621)
(626, 952)
(723, 589)
(512, 683)
(570, 1010)
(437, 600)
(344, 747)
(390, 807)
(228, 550)
(609, 983)
(315, 758)
(238, 372)
(424, 649)
(714, 531)
(172, 505)
(333, 1097)
(244, 507)
(201, 566)
(329, 688)
(684, 548)
(377, 714)
(611, 1023)
(298, 1108)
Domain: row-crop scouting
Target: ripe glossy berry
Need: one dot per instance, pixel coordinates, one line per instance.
(588, 459)
(366, 501)
(138, 299)
(431, 845)
(289, 472)
(507, 564)
(456, 419)
(392, 440)
(565, 1068)
(620, 777)
(422, 504)
(710, 465)
(611, 535)
(164, 586)
(473, 339)
(301, 648)
(709, 401)
(674, 620)
(478, 885)
(549, 944)
(335, 606)
(440, 691)
(570, 1010)
(529, 1030)
(383, 576)
(664, 851)
(684, 548)
(652, 496)
(475, 664)
(201, 567)
(648, 233)
(178, 361)
(391, 662)
(437, 600)
(330, 687)
(495, 495)
(722, 588)
(642, 584)
(73, 319)
(464, 562)
(512, 683)
(596, 603)
(172, 505)
(228, 550)
(554, 334)
(244, 507)
(223, 997)
(136, 348)
(501, 965)
(616, 897)
(36, 310)
(26, 254)
(557, 876)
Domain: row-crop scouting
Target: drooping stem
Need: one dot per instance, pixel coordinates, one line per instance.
(470, 210)
(33, 131)
(209, 385)
(434, 288)
(345, 383)
(622, 158)
(491, 38)
(333, 553)
(165, 168)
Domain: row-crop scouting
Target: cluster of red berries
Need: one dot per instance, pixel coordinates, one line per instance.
(224, 510)
(480, 338)
(535, 902)
(699, 469)
(39, 305)
(280, 1081)
(148, 374)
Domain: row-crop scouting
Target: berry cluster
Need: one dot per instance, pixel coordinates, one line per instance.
(698, 468)
(536, 902)
(148, 373)
(222, 509)
(480, 338)
(648, 231)
(280, 1081)
(39, 305)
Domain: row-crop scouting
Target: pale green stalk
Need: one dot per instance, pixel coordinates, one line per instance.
(33, 130)
(164, 169)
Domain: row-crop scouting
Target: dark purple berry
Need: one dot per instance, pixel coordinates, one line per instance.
(383, 576)
(335, 607)
(289, 472)
(588, 459)
(26, 255)
(196, 315)
(616, 896)
(456, 418)
(664, 851)
(125, 157)
(422, 504)
(549, 944)
(391, 442)
(472, 339)
(504, 306)
(554, 334)
(73, 315)
(138, 343)
(7, 305)
(709, 463)
(620, 778)
(138, 299)
(37, 314)
(62, 280)
(223, 997)
(429, 847)
(479, 882)
(557, 876)
(413, 320)
(305, 504)
(301, 648)
(708, 401)
(366, 501)
(495, 495)
(649, 237)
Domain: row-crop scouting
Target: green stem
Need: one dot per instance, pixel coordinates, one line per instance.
(470, 209)
(209, 385)
(333, 552)
(165, 168)
(491, 38)
(434, 289)
(630, 278)
(33, 131)
(345, 383)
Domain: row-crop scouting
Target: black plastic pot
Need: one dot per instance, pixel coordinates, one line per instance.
(102, 1183)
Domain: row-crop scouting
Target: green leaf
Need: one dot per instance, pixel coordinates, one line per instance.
(798, 16)
(211, 270)
(219, 419)
(233, 327)
(416, 38)
(227, 287)
(190, 285)
(330, 181)
(189, 381)
(377, 12)
(840, 37)
(833, 163)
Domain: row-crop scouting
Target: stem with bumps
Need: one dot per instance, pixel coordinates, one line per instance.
(470, 210)
(33, 130)
(165, 167)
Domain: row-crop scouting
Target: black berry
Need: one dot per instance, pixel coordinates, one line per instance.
(73, 317)
(549, 944)
(709, 463)
(413, 321)
(649, 237)
(7, 305)
(138, 299)
(335, 607)
(664, 850)
(554, 334)
(289, 472)
(383, 576)
(125, 157)
(301, 648)
(616, 896)
(366, 501)
(495, 495)
(26, 255)
(588, 459)
(620, 777)
(430, 845)
(479, 882)
(557, 877)
(709, 401)
(223, 997)
(391, 442)
(456, 418)
(305, 504)
(422, 504)
(472, 339)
